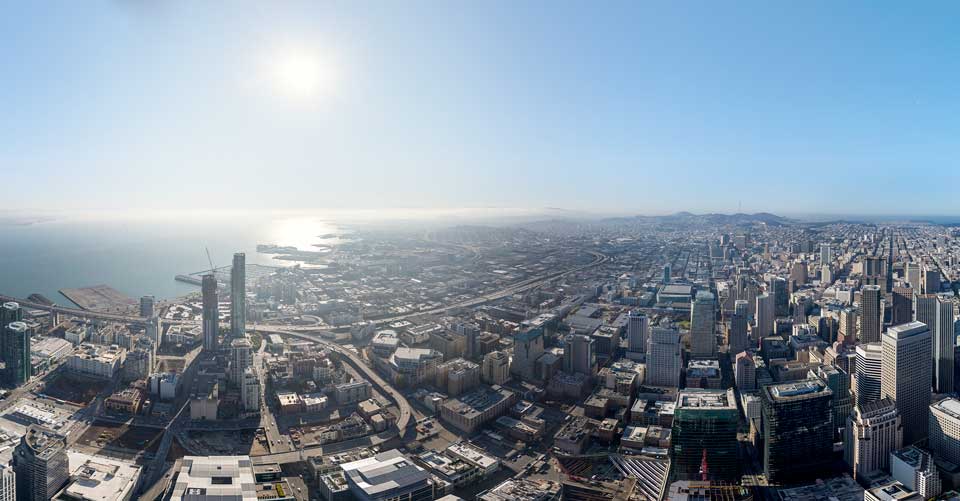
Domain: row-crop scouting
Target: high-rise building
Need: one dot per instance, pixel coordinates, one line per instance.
(495, 368)
(871, 313)
(705, 423)
(250, 390)
(838, 380)
(41, 464)
(916, 470)
(798, 273)
(930, 279)
(147, 309)
(847, 331)
(906, 376)
(745, 372)
(737, 334)
(868, 375)
(912, 275)
(527, 348)
(211, 312)
(10, 312)
(8, 483)
(937, 314)
(666, 274)
(579, 355)
(781, 296)
(238, 296)
(638, 328)
(15, 344)
(801, 305)
(826, 275)
(703, 338)
(901, 310)
(945, 429)
(766, 315)
(826, 254)
(241, 358)
(873, 432)
(663, 357)
(798, 430)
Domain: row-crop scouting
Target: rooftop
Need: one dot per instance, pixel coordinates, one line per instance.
(693, 398)
(384, 472)
(224, 477)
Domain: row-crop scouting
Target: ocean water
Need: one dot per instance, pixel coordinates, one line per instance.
(140, 256)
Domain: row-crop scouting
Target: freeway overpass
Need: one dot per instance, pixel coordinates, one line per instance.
(74, 312)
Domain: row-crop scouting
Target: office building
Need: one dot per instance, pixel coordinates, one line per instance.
(388, 476)
(906, 375)
(241, 357)
(579, 356)
(937, 314)
(215, 477)
(703, 338)
(847, 328)
(798, 430)
(945, 429)
(10, 312)
(527, 348)
(901, 310)
(737, 334)
(8, 483)
(912, 273)
(745, 372)
(930, 279)
(781, 296)
(469, 412)
(238, 296)
(766, 315)
(663, 357)
(873, 432)
(666, 274)
(15, 350)
(250, 390)
(495, 368)
(705, 422)
(871, 313)
(915, 469)
(838, 380)
(638, 328)
(41, 464)
(868, 375)
(147, 307)
(211, 312)
(826, 254)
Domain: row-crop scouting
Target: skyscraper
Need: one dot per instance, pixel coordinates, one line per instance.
(798, 430)
(871, 313)
(10, 312)
(873, 432)
(8, 483)
(211, 312)
(147, 306)
(737, 335)
(238, 296)
(838, 380)
(41, 464)
(902, 308)
(945, 429)
(579, 355)
(937, 314)
(663, 357)
(666, 274)
(930, 279)
(638, 328)
(781, 298)
(826, 254)
(527, 348)
(745, 372)
(766, 310)
(241, 358)
(16, 353)
(912, 272)
(906, 376)
(703, 338)
(705, 422)
(847, 331)
(868, 375)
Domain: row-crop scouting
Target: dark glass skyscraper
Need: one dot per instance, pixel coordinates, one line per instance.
(238, 296)
(798, 430)
(705, 420)
(211, 312)
(14, 345)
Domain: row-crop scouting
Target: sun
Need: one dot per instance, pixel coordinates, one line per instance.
(301, 74)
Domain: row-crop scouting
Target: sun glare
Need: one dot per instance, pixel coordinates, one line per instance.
(301, 74)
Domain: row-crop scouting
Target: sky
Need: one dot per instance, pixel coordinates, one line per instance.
(645, 107)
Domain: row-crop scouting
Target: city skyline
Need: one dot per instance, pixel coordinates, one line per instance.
(662, 107)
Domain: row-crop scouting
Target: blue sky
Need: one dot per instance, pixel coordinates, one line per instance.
(651, 107)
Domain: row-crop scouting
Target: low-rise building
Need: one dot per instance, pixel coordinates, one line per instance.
(97, 361)
(469, 412)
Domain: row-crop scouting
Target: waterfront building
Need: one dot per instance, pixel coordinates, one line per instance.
(238, 296)
(15, 351)
(211, 312)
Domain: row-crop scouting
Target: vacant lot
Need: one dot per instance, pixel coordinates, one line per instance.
(74, 388)
(134, 438)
